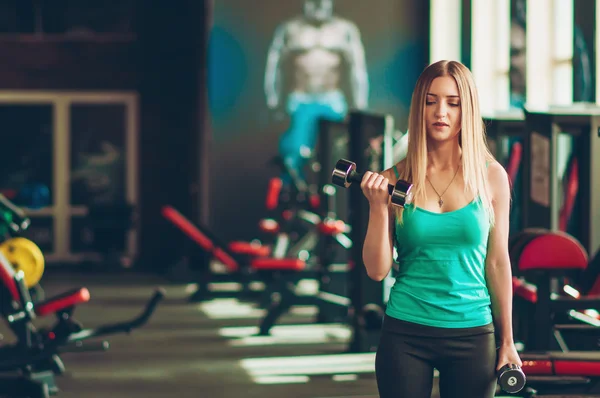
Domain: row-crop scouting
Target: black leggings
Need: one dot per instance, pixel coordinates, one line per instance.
(408, 353)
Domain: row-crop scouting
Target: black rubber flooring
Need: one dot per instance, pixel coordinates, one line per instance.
(202, 350)
(182, 353)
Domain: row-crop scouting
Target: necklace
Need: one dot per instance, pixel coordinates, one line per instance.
(441, 202)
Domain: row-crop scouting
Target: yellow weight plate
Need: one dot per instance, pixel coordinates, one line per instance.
(26, 256)
(39, 256)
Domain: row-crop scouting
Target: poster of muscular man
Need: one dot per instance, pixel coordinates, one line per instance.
(275, 68)
(315, 69)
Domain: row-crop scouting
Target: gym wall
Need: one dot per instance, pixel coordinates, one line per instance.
(394, 34)
(159, 55)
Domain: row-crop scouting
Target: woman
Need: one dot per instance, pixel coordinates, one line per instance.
(453, 290)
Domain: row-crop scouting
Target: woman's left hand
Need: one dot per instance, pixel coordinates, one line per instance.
(507, 354)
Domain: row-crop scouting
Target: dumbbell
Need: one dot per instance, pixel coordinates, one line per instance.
(344, 174)
(511, 378)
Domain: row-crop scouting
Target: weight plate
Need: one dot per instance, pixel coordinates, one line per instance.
(340, 173)
(25, 256)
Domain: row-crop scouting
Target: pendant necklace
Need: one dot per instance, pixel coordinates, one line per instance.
(441, 201)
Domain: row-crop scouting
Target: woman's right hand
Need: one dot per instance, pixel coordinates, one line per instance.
(375, 188)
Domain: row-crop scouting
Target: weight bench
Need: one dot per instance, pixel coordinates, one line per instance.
(245, 263)
(35, 356)
(541, 257)
(551, 373)
(328, 229)
(284, 210)
(528, 292)
(281, 274)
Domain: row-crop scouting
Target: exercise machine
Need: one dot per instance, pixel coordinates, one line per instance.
(558, 143)
(330, 265)
(243, 263)
(22, 253)
(344, 295)
(568, 319)
(296, 212)
(33, 361)
(369, 146)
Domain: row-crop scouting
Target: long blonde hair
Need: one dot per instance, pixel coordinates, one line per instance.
(475, 152)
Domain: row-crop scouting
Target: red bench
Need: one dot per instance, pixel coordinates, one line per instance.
(538, 258)
(231, 255)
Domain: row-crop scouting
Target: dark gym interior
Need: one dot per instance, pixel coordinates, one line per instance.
(176, 220)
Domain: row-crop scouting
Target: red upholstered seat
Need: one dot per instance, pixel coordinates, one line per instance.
(276, 264)
(249, 248)
(63, 301)
(524, 290)
(537, 367)
(222, 255)
(553, 251)
(332, 227)
(574, 363)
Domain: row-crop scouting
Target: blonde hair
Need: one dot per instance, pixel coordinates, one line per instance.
(475, 152)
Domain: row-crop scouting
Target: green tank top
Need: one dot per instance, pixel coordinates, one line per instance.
(441, 278)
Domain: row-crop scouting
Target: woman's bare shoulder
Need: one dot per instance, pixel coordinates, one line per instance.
(498, 181)
(390, 173)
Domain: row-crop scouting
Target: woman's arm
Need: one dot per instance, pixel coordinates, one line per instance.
(378, 246)
(498, 267)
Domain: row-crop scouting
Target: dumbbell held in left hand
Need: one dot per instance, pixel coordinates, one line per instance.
(344, 174)
(511, 378)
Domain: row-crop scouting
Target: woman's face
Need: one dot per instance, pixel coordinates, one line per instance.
(443, 109)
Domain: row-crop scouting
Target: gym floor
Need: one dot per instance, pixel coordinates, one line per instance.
(202, 350)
